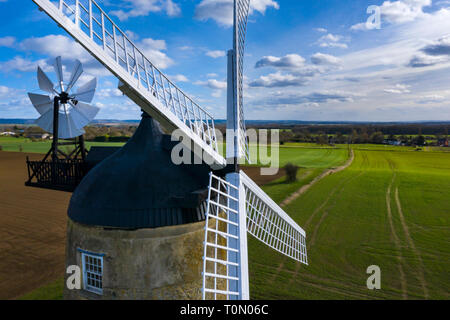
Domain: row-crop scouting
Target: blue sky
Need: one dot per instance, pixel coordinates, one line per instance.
(305, 60)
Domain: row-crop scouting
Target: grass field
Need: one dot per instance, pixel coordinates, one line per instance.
(14, 144)
(51, 291)
(389, 209)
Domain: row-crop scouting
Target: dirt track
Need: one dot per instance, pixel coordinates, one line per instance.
(255, 174)
(33, 228)
(326, 173)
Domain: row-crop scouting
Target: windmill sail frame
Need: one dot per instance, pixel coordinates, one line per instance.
(225, 266)
(145, 84)
(237, 206)
(238, 143)
(64, 115)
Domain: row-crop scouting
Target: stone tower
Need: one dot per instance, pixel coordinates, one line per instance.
(136, 223)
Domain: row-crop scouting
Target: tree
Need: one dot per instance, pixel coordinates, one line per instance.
(340, 138)
(322, 138)
(420, 140)
(354, 137)
(364, 136)
(286, 136)
(291, 172)
(377, 137)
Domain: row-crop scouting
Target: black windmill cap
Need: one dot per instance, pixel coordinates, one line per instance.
(140, 187)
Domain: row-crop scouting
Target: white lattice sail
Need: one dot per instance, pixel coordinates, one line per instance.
(237, 206)
(141, 80)
(267, 222)
(222, 247)
(236, 118)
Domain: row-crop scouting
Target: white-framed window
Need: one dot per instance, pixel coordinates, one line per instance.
(92, 271)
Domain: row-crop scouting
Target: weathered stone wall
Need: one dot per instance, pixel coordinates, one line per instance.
(164, 263)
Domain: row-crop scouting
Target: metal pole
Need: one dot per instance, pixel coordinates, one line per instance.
(232, 132)
(82, 148)
(55, 137)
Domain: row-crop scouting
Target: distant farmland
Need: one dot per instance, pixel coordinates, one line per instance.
(26, 145)
(391, 209)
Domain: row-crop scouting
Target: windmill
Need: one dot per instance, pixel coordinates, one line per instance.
(64, 114)
(236, 206)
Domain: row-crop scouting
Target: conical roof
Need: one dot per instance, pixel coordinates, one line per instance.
(140, 187)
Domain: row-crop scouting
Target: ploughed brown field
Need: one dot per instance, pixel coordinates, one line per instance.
(33, 227)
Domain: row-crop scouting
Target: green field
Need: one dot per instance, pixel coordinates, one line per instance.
(14, 144)
(390, 208)
(52, 291)
(346, 217)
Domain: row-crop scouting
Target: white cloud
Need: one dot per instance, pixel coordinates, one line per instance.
(330, 37)
(153, 50)
(140, 8)
(420, 60)
(217, 86)
(322, 30)
(277, 80)
(213, 84)
(398, 89)
(52, 46)
(132, 35)
(24, 65)
(216, 54)
(6, 92)
(172, 8)
(359, 26)
(429, 99)
(179, 78)
(397, 12)
(109, 93)
(221, 11)
(333, 45)
(433, 53)
(325, 59)
(55, 45)
(288, 61)
(403, 11)
(298, 72)
(438, 48)
(312, 99)
(7, 42)
(332, 41)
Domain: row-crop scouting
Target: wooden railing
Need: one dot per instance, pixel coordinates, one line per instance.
(60, 175)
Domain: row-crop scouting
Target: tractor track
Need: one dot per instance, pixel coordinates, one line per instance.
(416, 252)
(312, 281)
(324, 174)
(312, 241)
(396, 240)
(303, 190)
